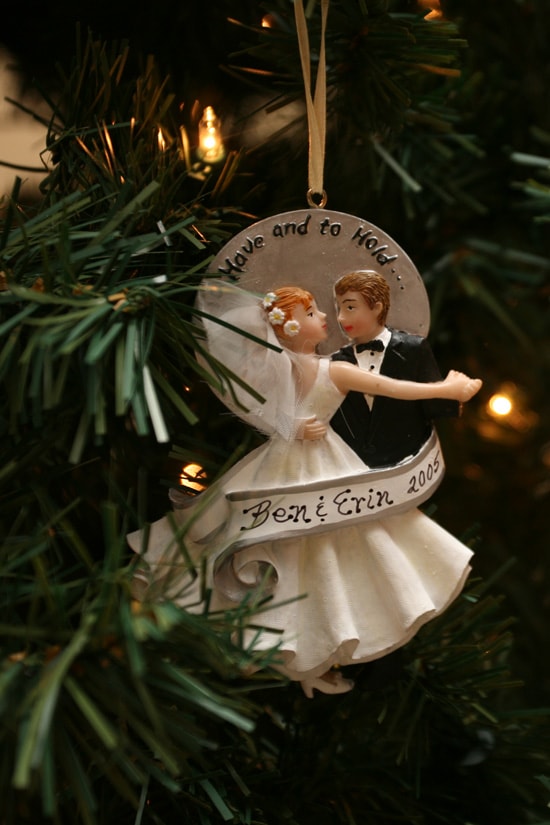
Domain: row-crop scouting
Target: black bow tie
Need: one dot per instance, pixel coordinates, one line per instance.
(374, 346)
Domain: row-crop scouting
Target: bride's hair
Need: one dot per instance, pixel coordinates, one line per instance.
(286, 298)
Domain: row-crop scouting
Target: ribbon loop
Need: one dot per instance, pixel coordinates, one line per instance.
(321, 197)
(316, 105)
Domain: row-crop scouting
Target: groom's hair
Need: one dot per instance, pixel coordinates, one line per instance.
(372, 286)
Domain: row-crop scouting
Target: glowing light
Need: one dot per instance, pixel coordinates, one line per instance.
(191, 476)
(500, 405)
(211, 148)
(435, 9)
(161, 140)
(508, 415)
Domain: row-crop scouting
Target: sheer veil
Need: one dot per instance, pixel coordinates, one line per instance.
(229, 315)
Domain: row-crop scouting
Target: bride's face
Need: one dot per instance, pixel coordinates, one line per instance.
(313, 326)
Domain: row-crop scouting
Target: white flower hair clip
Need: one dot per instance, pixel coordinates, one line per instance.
(291, 328)
(276, 316)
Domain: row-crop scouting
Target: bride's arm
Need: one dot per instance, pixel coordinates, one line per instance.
(456, 385)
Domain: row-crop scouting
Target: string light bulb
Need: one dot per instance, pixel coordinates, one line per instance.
(435, 12)
(211, 148)
(507, 415)
(161, 140)
(500, 405)
(192, 477)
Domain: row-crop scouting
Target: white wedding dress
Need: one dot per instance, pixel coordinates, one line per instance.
(345, 595)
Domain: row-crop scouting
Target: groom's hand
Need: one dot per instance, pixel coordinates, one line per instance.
(311, 429)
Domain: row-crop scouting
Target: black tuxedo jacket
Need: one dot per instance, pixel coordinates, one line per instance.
(393, 429)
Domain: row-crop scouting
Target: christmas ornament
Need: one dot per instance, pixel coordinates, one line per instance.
(303, 515)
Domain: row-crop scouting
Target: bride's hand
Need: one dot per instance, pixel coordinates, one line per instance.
(462, 386)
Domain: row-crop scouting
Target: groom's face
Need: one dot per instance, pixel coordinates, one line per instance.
(358, 320)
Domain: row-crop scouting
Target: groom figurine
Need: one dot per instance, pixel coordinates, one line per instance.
(383, 431)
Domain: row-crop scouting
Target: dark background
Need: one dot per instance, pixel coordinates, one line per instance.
(477, 231)
(490, 311)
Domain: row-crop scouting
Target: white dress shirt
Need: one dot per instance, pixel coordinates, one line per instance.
(372, 361)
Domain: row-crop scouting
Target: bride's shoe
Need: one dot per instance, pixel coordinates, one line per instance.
(330, 682)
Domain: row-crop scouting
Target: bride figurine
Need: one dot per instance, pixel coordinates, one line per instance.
(342, 593)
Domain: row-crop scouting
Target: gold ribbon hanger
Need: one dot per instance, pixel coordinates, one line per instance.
(316, 106)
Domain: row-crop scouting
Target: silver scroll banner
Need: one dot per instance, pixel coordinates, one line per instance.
(242, 518)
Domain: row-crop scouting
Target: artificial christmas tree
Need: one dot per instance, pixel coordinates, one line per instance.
(112, 712)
